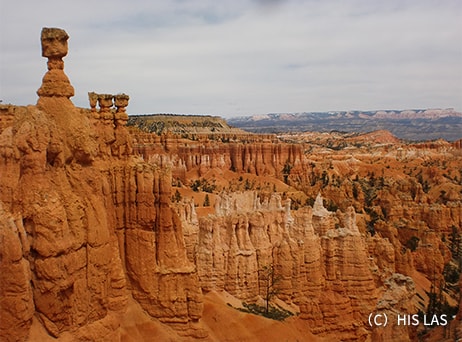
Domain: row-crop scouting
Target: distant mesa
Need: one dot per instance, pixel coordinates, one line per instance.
(413, 125)
(183, 125)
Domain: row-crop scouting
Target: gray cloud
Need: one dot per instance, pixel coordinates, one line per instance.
(243, 57)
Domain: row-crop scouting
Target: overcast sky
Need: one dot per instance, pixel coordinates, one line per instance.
(242, 57)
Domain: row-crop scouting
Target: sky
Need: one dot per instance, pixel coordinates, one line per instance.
(242, 57)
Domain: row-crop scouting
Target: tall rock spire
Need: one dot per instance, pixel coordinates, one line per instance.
(55, 82)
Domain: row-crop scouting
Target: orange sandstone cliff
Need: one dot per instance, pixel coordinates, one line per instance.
(84, 225)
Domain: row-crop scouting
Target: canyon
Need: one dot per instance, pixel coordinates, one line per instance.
(118, 228)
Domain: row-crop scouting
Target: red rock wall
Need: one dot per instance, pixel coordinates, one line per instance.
(261, 158)
(89, 227)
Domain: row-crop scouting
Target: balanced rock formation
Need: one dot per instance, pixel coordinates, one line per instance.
(55, 81)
